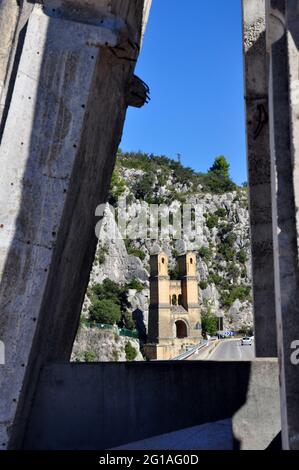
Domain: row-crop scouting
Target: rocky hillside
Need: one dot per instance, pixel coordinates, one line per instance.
(220, 217)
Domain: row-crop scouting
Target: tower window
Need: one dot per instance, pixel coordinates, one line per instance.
(191, 261)
(163, 260)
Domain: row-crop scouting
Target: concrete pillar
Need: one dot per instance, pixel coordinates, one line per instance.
(283, 46)
(259, 175)
(13, 20)
(62, 131)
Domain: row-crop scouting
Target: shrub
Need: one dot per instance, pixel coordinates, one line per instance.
(212, 221)
(101, 254)
(227, 252)
(242, 256)
(136, 285)
(89, 356)
(209, 323)
(215, 279)
(221, 213)
(235, 292)
(230, 239)
(130, 351)
(203, 285)
(143, 188)
(105, 311)
(132, 251)
(233, 271)
(216, 184)
(205, 253)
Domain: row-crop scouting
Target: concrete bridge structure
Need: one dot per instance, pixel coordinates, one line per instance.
(66, 80)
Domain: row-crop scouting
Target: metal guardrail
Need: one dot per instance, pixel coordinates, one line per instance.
(189, 353)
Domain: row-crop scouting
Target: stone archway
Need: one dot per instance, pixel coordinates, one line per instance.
(181, 329)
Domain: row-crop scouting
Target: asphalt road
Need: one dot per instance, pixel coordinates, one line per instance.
(232, 351)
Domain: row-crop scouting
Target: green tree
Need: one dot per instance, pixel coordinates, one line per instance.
(130, 351)
(105, 311)
(209, 323)
(220, 167)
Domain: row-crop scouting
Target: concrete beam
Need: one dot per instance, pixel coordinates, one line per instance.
(283, 46)
(62, 131)
(259, 175)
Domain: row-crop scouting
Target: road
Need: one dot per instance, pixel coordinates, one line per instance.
(232, 351)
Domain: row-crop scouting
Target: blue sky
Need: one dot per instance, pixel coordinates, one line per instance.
(192, 61)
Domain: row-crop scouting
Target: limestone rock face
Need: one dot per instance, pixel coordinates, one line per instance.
(218, 274)
(95, 345)
(222, 245)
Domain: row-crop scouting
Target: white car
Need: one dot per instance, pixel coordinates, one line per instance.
(246, 341)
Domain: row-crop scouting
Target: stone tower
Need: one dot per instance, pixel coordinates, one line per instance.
(174, 313)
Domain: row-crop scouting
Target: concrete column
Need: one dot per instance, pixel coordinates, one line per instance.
(259, 175)
(9, 11)
(62, 131)
(282, 39)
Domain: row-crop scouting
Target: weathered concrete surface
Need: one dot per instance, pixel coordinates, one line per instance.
(9, 12)
(282, 43)
(259, 175)
(62, 131)
(100, 406)
(14, 17)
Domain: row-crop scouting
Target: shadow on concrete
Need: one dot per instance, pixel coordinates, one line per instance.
(138, 317)
(101, 406)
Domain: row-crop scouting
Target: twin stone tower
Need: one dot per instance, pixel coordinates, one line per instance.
(174, 312)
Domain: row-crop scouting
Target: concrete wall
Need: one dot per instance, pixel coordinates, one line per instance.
(100, 406)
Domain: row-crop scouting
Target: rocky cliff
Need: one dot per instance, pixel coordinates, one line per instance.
(220, 237)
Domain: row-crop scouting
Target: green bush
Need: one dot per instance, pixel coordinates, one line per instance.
(216, 184)
(221, 213)
(217, 180)
(212, 221)
(242, 256)
(132, 251)
(203, 285)
(235, 292)
(136, 285)
(227, 252)
(230, 239)
(143, 188)
(209, 323)
(215, 279)
(105, 311)
(89, 356)
(205, 253)
(130, 351)
(101, 254)
(233, 271)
